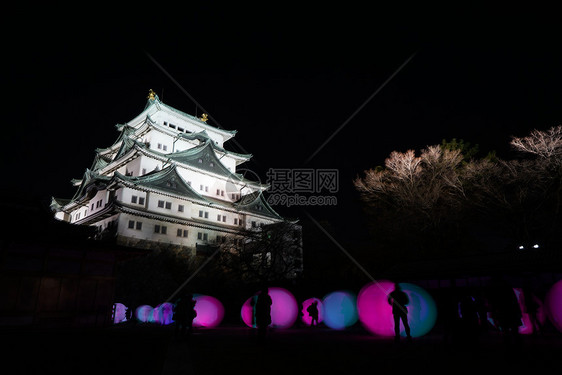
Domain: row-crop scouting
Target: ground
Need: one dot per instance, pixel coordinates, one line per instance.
(147, 349)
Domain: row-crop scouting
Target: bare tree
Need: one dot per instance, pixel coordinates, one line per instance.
(421, 193)
(271, 253)
(545, 144)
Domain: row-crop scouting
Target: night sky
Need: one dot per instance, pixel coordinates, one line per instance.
(286, 79)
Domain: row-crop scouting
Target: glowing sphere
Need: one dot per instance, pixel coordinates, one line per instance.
(375, 313)
(527, 327)
(210, 311)
(144, 313)
(119, 313)
(163, 313)
(340, 310)
(553, 302)
(306, 318)
(284, 309)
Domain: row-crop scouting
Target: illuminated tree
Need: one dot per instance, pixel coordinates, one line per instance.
(416, 199)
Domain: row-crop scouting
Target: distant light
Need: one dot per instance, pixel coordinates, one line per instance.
(340, 310)
(536, 246)
(521, 247)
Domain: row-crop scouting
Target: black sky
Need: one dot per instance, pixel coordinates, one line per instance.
(286, 79)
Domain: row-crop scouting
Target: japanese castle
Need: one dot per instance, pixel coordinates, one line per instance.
(167, 179)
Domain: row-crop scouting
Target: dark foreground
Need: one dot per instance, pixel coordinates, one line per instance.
(144, 349)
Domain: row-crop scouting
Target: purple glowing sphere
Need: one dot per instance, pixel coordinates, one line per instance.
(163, 313)
(306, 318)
(340, 310)
(210, 311)
(284, 309)
(553, 303)
(375, 313)
(119, 313)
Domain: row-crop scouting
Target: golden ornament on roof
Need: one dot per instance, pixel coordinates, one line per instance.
(151, 94)
(203, 117)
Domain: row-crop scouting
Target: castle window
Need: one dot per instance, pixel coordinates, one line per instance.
(161, 204)
(235, 221)
(185, 232)
(165, 148)
(138, 225)
(224, 218)
(180, 129)
(160, 146)
(134, 199)
(141, 200)
(131, 224)
(168, 205)
(157, 228)
(200, 213)
(180, 207)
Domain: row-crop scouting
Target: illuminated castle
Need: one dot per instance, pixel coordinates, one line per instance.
(167, 180)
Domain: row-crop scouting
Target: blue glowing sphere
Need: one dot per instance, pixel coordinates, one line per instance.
(144, 313)
(340, 310)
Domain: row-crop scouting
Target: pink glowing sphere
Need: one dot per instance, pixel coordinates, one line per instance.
(340, 309)
(144, 314)
(553, 303)
(284, 309)
(375, 313)
(306, 318)
(210, 311)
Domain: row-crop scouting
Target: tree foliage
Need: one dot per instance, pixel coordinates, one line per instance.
(446, 200)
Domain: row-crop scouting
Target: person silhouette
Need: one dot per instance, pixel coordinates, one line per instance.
(312, 310)
(398, 300)
(192, 312)
(181, 316)
(263, 313)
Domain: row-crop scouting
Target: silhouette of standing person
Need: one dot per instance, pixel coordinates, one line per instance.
(506, 310)
(313, 313)
(263, 313)
(398, 300)
(192, 312)
(181, 316)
